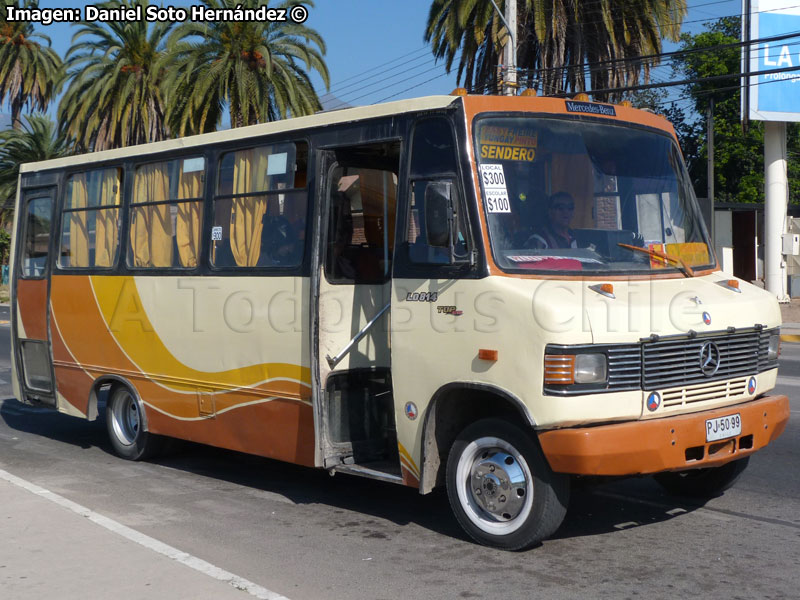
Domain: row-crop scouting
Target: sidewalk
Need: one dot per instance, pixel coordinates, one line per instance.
(48, 550)
(790, 315)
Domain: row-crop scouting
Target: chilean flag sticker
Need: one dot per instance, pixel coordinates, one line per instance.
(411, 410)
(706, 318)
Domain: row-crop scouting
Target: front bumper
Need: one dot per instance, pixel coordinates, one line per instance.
(669, 444)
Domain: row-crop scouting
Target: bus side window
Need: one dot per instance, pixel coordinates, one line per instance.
(433, 166)
(37, 237)
(260, 207)
(166, 213)
(357, 232)
(90, 223)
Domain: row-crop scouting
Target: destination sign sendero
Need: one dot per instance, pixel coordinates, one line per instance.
(508, 143)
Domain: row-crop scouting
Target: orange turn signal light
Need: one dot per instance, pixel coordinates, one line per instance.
(733, 283)
(559, 369)
(530, 92)
(485, 354)
(626, 104)
(459, 92)
(582, 97)
(607, 288)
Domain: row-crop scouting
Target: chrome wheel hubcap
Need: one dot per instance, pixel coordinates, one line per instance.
(125, 416)
(498, 484)
(496, 490)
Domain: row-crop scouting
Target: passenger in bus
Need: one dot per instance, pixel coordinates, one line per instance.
(280, 244)
(556, 232)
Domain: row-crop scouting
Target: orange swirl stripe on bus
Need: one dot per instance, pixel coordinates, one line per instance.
(409, 468)
(31, 305)
(141, 354)
(73, 384)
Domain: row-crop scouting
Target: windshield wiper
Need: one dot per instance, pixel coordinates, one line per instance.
(685, 269)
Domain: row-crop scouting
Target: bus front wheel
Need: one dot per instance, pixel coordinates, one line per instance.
(125, 424)
(501, 489)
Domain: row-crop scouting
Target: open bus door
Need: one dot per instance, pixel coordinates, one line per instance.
(351, 291)
(30, 309)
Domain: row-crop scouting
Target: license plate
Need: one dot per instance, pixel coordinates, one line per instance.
(723, 427)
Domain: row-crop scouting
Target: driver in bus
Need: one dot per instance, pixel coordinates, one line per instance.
(556, 232)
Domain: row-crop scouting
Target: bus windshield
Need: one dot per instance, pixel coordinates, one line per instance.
(576, 195)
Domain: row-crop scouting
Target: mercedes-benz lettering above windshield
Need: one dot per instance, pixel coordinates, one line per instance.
(566, 195)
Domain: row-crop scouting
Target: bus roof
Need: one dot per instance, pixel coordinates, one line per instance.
(298, 123)
(474, 105)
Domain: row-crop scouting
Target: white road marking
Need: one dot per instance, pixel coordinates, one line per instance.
(148, 542)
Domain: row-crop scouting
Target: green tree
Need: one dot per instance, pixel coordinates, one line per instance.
(738, 154)
(29, 72)
(5, 249)
(37, 140)
(556, 39)
(258, 70)
(115, 95)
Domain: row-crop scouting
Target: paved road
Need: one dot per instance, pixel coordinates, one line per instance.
(302, 534)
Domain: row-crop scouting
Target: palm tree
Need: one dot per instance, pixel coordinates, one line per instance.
(115, 95)
(558, 41)
(259, 70)
(29, 72)
(36, 140)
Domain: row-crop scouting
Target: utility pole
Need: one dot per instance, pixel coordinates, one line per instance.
(776, 197)
(510, 51)
(746, 65)
(510, 48)
(710, 151)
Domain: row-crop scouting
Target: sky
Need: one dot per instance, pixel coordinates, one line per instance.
(375, 48)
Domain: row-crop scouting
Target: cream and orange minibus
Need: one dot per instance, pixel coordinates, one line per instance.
(490, 294)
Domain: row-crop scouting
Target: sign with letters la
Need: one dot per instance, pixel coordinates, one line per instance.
(775, 94)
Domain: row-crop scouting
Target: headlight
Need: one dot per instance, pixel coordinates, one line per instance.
(774, 348)
(591, 368)
(566, 369)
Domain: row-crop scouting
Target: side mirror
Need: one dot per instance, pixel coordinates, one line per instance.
(438, 214)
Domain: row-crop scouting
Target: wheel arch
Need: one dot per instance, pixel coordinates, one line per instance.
(451, 409)
(112, 381)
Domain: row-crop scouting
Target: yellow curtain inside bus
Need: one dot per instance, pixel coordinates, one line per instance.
(187, 228)
(151, 226)
(247, 214)
(78, 232)
(106, 234)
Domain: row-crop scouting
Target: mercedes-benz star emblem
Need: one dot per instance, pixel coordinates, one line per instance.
(709, 359)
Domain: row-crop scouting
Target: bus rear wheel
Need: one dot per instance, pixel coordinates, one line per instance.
(125, 424)
(703, 483)
(501, 489)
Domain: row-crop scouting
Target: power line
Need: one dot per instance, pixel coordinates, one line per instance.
(383, 64)
(648, 86)
(435, 67)
(340, 90)
(670, 55)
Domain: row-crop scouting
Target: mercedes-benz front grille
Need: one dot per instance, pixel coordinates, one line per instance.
(685, 360)
(675, 361)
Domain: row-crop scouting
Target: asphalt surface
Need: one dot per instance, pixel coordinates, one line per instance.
(77, 522)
